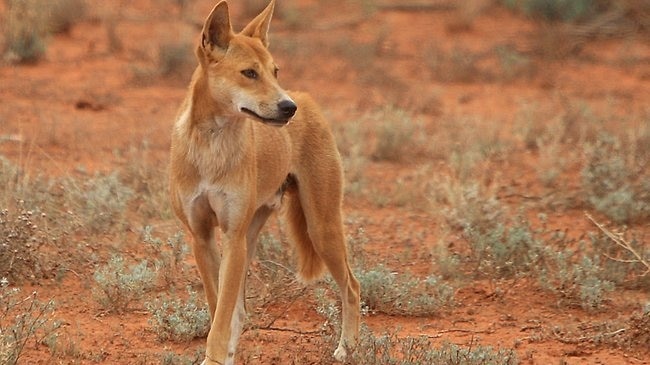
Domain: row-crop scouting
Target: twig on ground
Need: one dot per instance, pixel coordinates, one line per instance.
(619, 240)
(581, 339)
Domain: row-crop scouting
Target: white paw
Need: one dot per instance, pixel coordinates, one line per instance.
(340, 354)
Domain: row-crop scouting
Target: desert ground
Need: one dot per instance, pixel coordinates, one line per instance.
(497, 199)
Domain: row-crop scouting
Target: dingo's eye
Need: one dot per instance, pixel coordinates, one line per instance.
(275, 72)
(250, 73)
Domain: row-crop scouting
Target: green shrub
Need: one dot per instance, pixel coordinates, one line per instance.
(178, 320)
(389, 349)
(500, 252)
(578, 283)
(614, 183)
(176, 59)
(29, 22)
(397, 135)
(170, 358)
(559, 10)
(100, 203)
(402, 294)
(25, 30)
(117, 287)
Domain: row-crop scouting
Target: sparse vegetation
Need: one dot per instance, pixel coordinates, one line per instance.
(28, 23)
(614, 181)
(62, 14)
(177, 320)
(21, 239)
(117, 286)
(389, 349)
(176, 59)
(99, 203)
(577, 283)
(168, 256)
(456, 65)
(350, 139)
(171, 358)
(559, 10)
(471, 153)
(25, 31)
(388, 292)
(398, 135)
(273, 279)
(148, 182)
(23, 319)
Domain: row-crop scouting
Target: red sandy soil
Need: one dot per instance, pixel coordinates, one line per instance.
(86, 103)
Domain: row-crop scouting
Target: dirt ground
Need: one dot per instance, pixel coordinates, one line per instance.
(98, 98)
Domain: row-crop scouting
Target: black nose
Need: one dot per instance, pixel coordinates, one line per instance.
(287, 108)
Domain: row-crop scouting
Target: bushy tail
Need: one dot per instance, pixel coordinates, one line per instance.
(310, 264)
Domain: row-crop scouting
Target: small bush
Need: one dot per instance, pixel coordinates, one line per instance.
(100, 203)
(350, 140)
(639, 324)
(170, 358)
(168, 256)
(25, 30)
(389, 349)
(276, 278)
(22, 235)
(470, 205)
(397, 135)
(580, 283)
(178, 320)
(613, 181)
(176, 59)
(30, 192)
(148, 181)
(514, 64)
(62, 14)
(456, 65)
(500, 252)
(402, 294)
(559, 10)
(29, 22)
(118, 287)
(22, 319)
(626, 261)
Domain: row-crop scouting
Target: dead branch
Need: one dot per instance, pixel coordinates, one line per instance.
(284, 329)
(269, 325)
(620, 241)
(575, 340)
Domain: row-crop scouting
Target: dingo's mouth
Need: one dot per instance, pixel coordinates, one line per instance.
(270, 121)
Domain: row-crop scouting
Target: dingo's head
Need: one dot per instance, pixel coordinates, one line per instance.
(240, 71)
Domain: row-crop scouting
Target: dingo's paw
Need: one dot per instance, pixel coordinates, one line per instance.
(341, 353)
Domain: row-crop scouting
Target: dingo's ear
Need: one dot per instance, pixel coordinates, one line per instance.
(259, 27)
(217, 30)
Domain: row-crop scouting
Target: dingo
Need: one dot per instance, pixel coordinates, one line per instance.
(241, 145)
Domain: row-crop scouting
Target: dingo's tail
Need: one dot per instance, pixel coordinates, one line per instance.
(310, 264)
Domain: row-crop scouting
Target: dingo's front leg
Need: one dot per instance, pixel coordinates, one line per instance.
(230, 313)
(201, 222)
